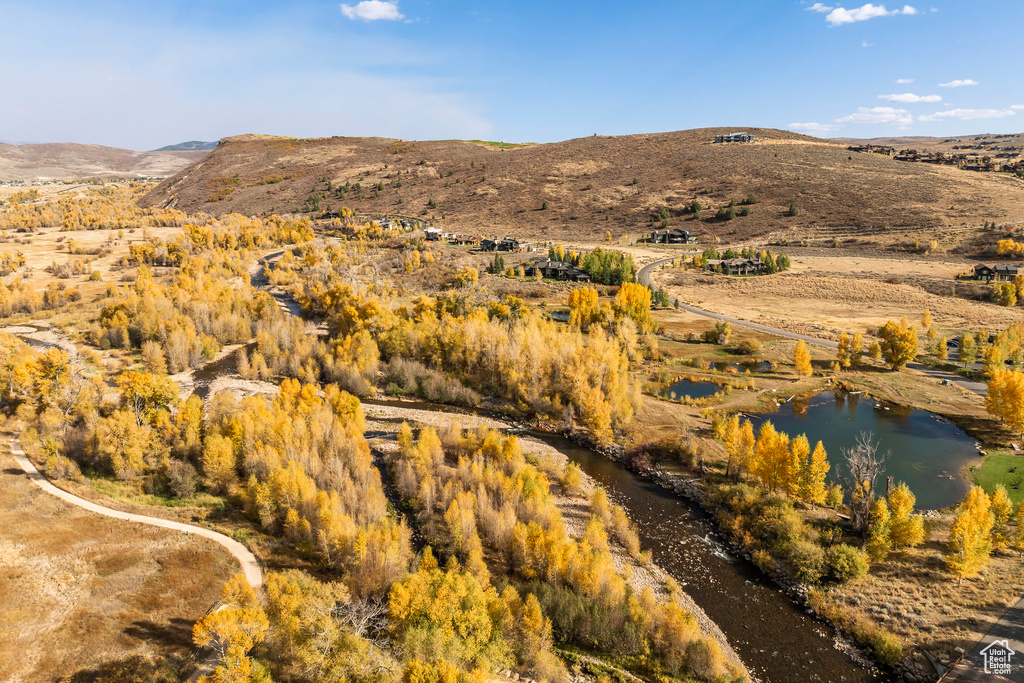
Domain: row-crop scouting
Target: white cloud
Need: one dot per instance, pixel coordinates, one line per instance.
(865, 43)
(818, 7)
(840, 15)
(904, 81)
(959, 83)
(1017, 106)
(967, 114)
(879, 115)
(812, 128)
(910, 98)
(372, 10)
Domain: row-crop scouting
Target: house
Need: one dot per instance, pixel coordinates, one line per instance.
(488, 245)
(674, 236)
(737, 266)
(432, 235)
(463, 239)
(556, 270)
(997, 273)
(734, 137)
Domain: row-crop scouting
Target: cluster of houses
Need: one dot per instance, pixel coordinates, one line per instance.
(673, 236)
(874, 149)
(734, 137)
(964, 161)
(996, 273)
(737, 266)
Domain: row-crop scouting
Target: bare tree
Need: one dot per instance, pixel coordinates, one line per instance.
(864, 464)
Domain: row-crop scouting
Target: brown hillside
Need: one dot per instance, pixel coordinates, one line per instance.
(484, 189)
(70, 161)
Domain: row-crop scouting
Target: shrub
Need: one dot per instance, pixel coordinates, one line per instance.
(807, 560)
(748, 347)
(844, 562)
(763, 560)
(704, 658)
(61, 467)
(726, 213)
(887, 647)
(793, 211)
(182, 478)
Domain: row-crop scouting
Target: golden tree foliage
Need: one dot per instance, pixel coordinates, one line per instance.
(906, 529)
(1005, 397)
(1002, 509)
(802, 359)
(898, 344)
(970, 541)
(232, 630)
(634, 301)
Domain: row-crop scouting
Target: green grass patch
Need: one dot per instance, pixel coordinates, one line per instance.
(995, 470)
(127, 492)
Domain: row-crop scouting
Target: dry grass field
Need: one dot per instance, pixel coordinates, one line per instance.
(593, 185)
(78, 590)
(823, 296)
(72, 161)
(48, 246)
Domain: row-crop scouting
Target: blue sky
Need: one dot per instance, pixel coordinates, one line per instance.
(142, 74)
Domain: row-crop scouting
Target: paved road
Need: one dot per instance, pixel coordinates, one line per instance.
(250, 566)
(644, 275)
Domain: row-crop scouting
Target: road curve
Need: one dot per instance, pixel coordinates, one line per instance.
(250, 566)
(644, 275)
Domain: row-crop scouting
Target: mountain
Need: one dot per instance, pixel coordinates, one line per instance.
(190, 146)
(69, 161)
(592, 185)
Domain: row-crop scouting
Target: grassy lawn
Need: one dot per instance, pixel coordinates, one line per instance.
(996, 470)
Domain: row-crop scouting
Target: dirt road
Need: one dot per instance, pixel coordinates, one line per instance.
(250, 565)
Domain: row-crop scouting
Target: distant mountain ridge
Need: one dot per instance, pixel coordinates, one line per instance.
(585, 187)
(72, 161)
(190, 146)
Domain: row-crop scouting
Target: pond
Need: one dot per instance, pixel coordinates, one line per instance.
(927, 451)
(560, 316)
(744, 366)
(687, 387)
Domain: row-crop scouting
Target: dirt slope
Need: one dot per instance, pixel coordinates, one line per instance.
(592, 185)
(66, 161)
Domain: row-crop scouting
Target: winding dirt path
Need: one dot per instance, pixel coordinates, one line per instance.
(250, 565)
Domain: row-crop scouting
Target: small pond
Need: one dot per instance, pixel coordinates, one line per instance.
(744, 366)
(687, 387)
(560, 316)
(928, 452)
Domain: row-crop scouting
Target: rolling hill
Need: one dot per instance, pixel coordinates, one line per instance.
(69, 161)
(584, 187)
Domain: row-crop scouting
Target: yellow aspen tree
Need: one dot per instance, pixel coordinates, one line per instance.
(219, 462)
(799, 466)
(843, 352)
(731, 439)
(875, 351)
(878, 542)
(942, 349)
(232, 631)
(745, 448)
(857, 349)
(817, 470)
(1001, 508)
(898, 344)
(1018, 531)
(970, 541)
(906, 529)
(802, 359)
(926, 318)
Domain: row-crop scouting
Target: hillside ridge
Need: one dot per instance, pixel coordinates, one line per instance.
(585, 187)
